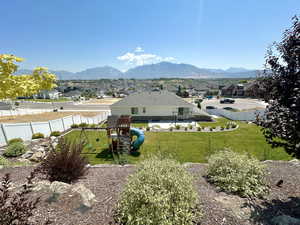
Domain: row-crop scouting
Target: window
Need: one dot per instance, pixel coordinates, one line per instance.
(134, 110)
(144, 109)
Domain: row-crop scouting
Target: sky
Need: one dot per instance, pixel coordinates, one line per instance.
(74, 35)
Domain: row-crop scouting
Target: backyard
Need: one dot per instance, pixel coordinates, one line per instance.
(188, 146)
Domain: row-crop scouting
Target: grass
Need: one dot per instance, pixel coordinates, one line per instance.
(189, 146)
(136, 125)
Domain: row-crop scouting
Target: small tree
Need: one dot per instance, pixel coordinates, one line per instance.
(13, 86)
(281, 81)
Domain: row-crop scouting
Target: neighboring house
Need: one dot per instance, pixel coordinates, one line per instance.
(53, 94)
(233, 90)
(158, 105)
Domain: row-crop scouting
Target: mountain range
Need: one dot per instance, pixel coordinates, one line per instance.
(158, 70)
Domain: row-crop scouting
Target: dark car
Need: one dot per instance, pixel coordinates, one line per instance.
(227, 100)
(210, 107)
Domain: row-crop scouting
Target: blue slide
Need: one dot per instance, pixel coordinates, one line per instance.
(140, 138)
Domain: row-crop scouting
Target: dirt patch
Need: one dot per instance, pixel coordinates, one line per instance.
(44, 116)
(104, 101)
(219, 208)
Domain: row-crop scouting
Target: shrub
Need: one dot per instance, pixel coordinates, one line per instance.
(55, 133)
(15, 140)
(17, 208)
(160, 192)
(190, 127)
(15, 149)
(64, 164)
(222, 128)
(185, 128)
(74, 126)
(237, 173)
(37, 136)
(234, 125)
(227, 126)
(171, 128)
(92, 125)
(147, 128)
(198, 128)
(83, 125)
(211, 129)
(177, 127)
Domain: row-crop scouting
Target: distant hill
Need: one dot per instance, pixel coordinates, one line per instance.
(158, 70)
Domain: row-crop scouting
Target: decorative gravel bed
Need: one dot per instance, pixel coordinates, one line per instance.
(106, 183)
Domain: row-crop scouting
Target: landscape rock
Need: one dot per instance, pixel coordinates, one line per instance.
(42, 186)
(285, 220)
(60, 187)
(27, 155)
(37, 156)
(23, 160)
(86, 194)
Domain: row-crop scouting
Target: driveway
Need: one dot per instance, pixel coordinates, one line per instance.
(240, 104)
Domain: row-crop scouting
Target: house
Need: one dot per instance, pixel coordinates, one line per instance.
(158, 105)
(45, 94)
(233, 90)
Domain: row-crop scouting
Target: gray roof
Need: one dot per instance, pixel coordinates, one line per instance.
(157, 98)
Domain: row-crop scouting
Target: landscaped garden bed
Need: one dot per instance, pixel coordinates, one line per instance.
(217, 207)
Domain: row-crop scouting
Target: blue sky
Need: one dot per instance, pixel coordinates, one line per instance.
(75, 34)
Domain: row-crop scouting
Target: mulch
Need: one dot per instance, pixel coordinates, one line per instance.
(218, 208)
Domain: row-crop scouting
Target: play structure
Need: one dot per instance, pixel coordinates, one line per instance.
(120, 135)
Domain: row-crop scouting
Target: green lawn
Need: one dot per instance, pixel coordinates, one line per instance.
(189, 146)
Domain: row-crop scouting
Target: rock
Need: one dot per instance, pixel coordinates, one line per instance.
(37, 156)
(86, 194)
(27, 155)
(41, 186)
(285, 220)
(22, 160)
(60, 187)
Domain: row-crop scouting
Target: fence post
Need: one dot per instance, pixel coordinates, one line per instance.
(62, 120)
(31, 128)
(4, 133)
(50, 126)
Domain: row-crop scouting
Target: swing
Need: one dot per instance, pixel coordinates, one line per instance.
(88, 145)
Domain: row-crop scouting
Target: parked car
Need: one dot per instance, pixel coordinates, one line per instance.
(227, 100)
(210, 107)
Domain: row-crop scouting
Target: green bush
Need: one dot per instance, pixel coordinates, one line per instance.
(74, 126)
(190, 127)
(211, 129)
(55, 133)
(222, 128)
(38, 135)
(160, 192)
(15, 140)
(15, 149)
(92, 125)
(185, 128)
(83, 125)
(171, 128)
(147, 128)
(199, 129)
(237, 173)
(177, 127)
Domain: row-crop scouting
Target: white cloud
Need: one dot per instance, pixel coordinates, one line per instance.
(139, 49)
(137, 58)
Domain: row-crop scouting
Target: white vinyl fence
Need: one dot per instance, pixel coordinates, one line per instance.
(20, 112)
(242, 116)
(25, 130)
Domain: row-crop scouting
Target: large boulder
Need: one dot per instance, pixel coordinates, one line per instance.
(86, 194)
